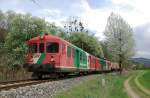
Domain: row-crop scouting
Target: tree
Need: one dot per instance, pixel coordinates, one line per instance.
(74, 24)
(3, 27)
(105, 50)
(15, 30)
(76, 33)
(21, 29)
(52, 29)
(119, 40)
(87, 42)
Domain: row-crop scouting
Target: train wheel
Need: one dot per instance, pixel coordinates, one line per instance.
(37, 75)
(40, 76)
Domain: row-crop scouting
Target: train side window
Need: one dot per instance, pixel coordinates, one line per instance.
(93, 61)
(84, 57)
(52, 47)
(63, 48)
(80, 56)
(72, 52)
(68, 51)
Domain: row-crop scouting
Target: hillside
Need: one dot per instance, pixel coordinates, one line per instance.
(144, 61)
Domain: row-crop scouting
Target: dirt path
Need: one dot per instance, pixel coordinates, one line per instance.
(146, 91)
(129, 90)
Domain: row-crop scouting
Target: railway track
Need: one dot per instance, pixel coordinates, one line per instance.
(20, 83)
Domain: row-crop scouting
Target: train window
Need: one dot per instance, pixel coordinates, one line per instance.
(33, 48)
(84, 57)
(69, 51)
(41, 47)
(80, 56)
(52, 47)
(63, 48)
(73, 52)
(93, 61)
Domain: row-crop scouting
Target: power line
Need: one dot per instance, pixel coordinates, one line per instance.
(35, 2)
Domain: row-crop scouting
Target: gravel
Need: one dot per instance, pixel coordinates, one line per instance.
(44, 90)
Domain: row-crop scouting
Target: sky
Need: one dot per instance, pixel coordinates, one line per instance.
(93, 13)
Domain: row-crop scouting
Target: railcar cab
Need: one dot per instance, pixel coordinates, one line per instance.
(43, 53)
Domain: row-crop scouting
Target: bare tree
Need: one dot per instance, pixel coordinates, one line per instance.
(119, 40)
(73, 24)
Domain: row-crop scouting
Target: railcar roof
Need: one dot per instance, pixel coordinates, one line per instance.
(47, 37)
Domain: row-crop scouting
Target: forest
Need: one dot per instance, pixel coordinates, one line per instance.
(16, 29)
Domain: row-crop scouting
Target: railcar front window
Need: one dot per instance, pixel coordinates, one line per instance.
(52, 47)
(33, 48)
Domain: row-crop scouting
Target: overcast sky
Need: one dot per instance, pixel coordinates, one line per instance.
(93, 13)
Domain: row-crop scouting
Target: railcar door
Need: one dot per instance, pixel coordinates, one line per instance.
(69, 56)
(76, 57)
(52, 53)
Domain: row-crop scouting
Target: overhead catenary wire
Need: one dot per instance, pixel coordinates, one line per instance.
(35, 2)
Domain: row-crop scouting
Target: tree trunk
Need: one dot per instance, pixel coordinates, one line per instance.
(120, 67)
(120, 64)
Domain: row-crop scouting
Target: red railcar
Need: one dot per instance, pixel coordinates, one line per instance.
(47, 53)
(51, 54)
(98, 65)
(94, 63)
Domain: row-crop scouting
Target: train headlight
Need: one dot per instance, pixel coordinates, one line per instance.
(52, 59)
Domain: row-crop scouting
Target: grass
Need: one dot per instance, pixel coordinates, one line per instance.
(134, 86)
(102, 86)
(145, 79)
(136, 89)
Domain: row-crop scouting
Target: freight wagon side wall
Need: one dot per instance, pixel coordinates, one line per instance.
(80, 59)
(104, 64)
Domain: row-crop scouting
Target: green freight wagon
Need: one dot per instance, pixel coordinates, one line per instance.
(103, 64)
(80, 58)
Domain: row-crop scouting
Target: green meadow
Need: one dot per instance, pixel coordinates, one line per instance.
(110, 86)
(102, 86)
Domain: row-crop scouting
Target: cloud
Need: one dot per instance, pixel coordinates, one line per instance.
(142, 36)
(54, 14)
(142, 54)
(94, 19)
(93, 13)
(137, 17)
(138, 12)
